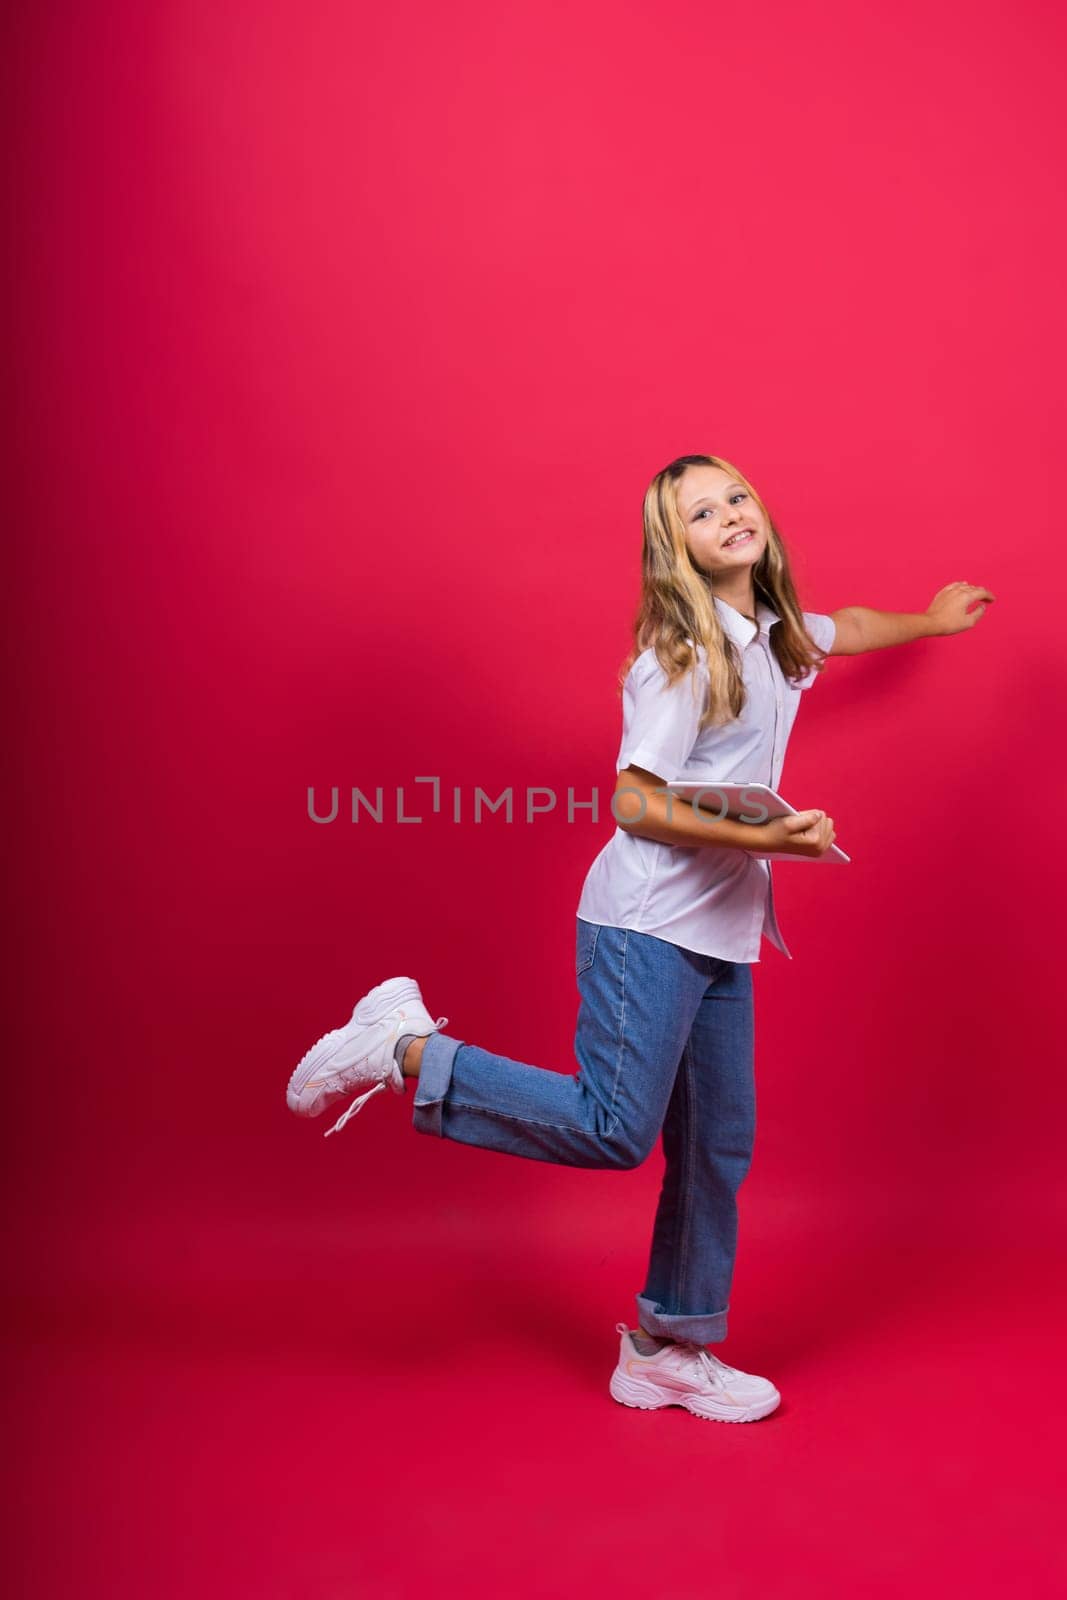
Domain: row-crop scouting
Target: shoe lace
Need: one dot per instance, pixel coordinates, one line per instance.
(361, 1100)
(357, 1105)
(716, 1369)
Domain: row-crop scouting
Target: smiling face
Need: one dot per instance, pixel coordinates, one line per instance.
(725, 529)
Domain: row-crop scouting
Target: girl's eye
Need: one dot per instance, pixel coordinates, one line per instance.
(738, 494)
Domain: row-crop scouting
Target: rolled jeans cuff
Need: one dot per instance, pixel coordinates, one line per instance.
(708, 1328)
(435, 1076)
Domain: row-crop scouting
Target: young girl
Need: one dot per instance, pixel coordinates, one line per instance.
(669, 926)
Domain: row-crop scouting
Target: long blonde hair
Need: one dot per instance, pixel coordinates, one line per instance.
(677, 604)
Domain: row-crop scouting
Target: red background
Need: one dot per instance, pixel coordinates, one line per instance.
(346, 343)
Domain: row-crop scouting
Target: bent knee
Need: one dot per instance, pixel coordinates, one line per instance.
(627, 1148)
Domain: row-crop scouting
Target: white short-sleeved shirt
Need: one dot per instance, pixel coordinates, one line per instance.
(714, 899)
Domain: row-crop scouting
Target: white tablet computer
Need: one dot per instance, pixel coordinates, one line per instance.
(749, 802)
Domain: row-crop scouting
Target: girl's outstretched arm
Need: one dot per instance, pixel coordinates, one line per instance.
(859, 628)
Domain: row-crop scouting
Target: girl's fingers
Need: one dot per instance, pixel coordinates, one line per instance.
(803, 820)
(976, 588)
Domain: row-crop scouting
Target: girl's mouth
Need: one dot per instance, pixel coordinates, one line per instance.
(744, 537)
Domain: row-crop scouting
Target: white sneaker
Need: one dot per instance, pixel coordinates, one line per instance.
(361, 1052)
(688, 1375)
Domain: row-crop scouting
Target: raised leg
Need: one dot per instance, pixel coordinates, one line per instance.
(639, 997)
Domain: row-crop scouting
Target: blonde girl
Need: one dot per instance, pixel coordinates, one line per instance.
(669, 924)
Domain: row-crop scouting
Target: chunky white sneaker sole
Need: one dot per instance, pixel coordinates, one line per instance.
(689, 1376)
(361, 1053)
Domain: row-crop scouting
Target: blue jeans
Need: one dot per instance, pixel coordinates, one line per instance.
(664, 1041)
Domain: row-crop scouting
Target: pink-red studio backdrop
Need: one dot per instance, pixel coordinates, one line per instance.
(346, 341)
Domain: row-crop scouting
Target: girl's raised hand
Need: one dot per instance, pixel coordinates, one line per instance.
(948, 609)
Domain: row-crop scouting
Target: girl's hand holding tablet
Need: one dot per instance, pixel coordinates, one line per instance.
(804, 833)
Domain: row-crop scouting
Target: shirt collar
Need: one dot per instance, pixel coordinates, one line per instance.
(739, 627)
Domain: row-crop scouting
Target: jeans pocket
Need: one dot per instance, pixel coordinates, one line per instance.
(588, 933)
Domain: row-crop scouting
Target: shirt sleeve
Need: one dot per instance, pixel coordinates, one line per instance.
(823, 629)
(663, 720)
